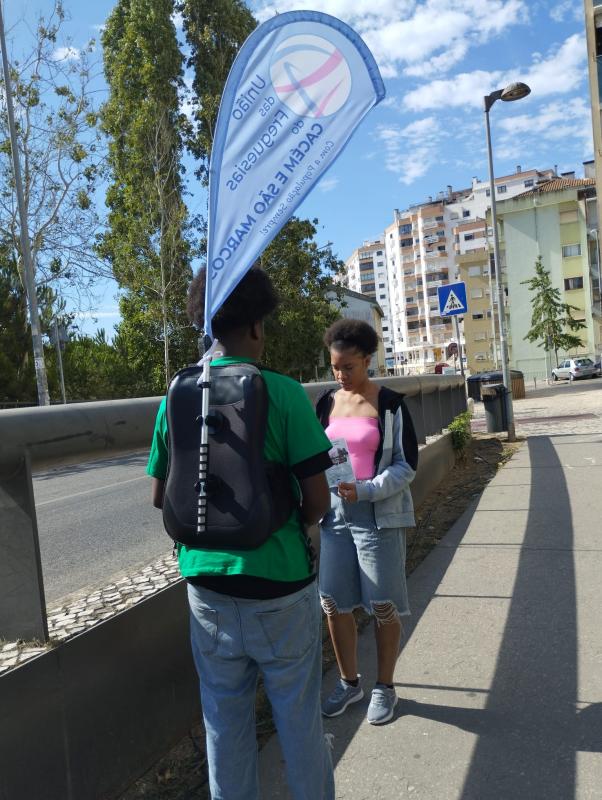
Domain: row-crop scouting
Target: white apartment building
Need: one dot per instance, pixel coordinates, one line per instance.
(417, 254)
(367, 273)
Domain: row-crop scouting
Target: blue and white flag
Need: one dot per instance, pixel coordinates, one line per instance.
(300, 85)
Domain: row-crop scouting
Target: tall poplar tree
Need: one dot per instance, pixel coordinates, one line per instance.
(215, 31)
(147, 238)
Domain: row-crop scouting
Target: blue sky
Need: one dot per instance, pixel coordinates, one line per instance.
(438, 58)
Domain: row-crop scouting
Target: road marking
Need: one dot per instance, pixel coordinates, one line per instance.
(90, 491)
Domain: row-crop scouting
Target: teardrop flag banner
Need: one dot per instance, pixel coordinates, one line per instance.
(300, 85)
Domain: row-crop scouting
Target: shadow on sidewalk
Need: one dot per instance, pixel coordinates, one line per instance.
(530, 730)
(423, 586)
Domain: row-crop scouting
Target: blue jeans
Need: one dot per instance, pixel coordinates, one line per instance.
(233, 641)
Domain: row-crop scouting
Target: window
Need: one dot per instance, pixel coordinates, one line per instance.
(409, 299)
(381, 285)
(569, 250)
(441, 248)
(385, 327)
(477, 316)
(379, 252)
(568, 216)
(529, 183)
(502, 189)
(438, 219)
(468, 237)
(487, 192)
(573, 283)
(389, 349)
(476, 293)
(474, 271)
(405, 242)
(465, 212)
(380, 263)
(405, 229)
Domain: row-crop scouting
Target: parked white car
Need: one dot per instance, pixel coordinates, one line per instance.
(573, 368)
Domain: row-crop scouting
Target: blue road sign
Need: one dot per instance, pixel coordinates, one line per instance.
(452, 299)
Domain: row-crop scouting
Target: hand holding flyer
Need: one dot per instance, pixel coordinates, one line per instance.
(341, 470)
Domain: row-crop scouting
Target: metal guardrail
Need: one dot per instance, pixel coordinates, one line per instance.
(59, 434)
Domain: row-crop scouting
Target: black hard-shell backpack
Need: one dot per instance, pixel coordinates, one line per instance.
(248, 497)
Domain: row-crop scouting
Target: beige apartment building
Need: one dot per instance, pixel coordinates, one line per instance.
(475, 268)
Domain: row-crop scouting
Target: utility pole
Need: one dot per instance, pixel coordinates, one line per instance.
(457, 324)
(28, 272)
(58, 342)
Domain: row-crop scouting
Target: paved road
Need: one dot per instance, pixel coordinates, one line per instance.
(95, 519)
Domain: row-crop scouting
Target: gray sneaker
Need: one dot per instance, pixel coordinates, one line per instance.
(382, 705)
(342, 696)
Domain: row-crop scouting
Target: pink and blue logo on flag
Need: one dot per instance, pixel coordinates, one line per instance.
(311, 76)
(299, 87)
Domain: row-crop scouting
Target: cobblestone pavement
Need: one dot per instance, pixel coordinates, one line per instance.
(562, 408)
(84, 610)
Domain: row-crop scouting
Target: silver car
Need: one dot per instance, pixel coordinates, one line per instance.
(573, 368)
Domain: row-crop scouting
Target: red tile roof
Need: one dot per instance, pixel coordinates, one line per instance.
(557, 185)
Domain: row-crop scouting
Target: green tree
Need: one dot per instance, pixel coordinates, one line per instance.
(552, 322)
(17, 377)
(215, 31)
(148, 237)
(302, 273)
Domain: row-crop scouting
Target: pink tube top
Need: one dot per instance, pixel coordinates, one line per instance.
(362, 436)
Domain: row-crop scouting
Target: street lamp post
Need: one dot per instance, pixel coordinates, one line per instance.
(515, 91)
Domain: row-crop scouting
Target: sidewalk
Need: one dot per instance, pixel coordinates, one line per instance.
(500, 678)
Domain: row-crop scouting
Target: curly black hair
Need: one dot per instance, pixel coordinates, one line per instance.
(253, 299)
(352, 334)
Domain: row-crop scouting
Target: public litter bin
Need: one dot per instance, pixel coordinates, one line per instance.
(494, 400)
(473, 386)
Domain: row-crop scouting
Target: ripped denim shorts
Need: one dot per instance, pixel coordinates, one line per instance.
(361, 566)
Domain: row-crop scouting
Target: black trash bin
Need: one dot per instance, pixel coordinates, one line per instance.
(494, 400)
(473, 386)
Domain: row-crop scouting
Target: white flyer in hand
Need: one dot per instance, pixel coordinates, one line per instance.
(341, 470)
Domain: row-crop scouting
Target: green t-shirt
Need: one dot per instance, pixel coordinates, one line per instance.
(294, 437)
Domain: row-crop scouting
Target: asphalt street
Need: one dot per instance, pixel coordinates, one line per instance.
(95, 519)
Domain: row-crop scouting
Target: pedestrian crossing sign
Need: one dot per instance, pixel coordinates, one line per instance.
(452, 299)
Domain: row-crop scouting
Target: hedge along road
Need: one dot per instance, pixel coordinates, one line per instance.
(95, 519)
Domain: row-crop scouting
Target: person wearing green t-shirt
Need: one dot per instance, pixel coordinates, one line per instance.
(257, 612)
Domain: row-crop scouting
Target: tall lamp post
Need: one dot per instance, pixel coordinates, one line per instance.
(514, 91)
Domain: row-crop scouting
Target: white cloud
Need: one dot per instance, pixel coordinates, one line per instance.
(105, 314)
(328, 184)
(568, 9)
(65, 54)
(561, 72)
(428, 37)
(567, 122)
(412, 150)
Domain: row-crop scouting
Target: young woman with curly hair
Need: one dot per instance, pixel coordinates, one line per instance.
(362, 561)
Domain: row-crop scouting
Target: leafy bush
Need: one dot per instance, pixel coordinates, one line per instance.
(461, 432)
